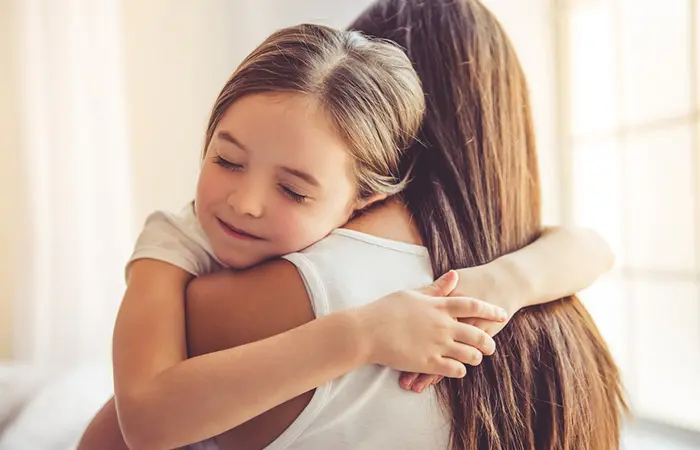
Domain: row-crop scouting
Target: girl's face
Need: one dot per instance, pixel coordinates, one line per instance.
(275, 179)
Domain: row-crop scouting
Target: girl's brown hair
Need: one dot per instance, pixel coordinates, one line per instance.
(475, 195)
(367, 87)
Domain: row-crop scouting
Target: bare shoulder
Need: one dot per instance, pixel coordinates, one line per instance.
(151, 272)
(251, 304)
(390, 220)
(229, 309)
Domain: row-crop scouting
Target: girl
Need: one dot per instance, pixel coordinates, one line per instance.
(307, 132)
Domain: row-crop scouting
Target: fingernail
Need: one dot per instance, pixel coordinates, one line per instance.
(502, 314)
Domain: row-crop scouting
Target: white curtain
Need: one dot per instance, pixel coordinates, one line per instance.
(77, 179)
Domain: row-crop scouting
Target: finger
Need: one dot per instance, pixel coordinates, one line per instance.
(474, 337)
(489, 326)
(451, 368)
(470, 307)
(438, 379)
(407, 380)
(423, 381)
(465, 353)
(442, 286)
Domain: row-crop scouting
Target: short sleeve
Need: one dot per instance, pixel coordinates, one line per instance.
(173, 239)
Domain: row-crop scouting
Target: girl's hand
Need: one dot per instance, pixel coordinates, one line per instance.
(482, 282)
(419, 331)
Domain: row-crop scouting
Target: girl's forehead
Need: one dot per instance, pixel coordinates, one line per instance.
(285, 130)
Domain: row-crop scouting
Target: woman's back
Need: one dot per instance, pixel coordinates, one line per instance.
(475, 195)
(365, 408)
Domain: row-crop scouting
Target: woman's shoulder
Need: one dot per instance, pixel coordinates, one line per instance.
(349, 255)
(389, 220)
(384, 227)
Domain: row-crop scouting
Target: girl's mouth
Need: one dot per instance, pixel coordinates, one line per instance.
(237, 232)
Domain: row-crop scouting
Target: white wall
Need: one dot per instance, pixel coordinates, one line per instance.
(9, 177)
(177, 56)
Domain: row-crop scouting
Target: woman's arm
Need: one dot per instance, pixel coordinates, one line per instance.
(165, 402)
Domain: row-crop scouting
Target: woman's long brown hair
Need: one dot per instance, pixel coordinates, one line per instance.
(475, 195)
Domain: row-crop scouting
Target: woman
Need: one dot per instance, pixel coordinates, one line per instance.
(445, 180)
(561, 388)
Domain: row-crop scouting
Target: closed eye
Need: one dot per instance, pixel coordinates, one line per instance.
(226, 164)
(299, 198)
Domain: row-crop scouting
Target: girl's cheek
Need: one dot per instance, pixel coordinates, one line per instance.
(209, 186)
(297, 231)
(291, 231)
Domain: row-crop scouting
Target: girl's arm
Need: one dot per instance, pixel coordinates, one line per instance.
(563, 261)
(164, 401)
(560, 263)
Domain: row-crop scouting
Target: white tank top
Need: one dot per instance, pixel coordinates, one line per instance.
(365, 409)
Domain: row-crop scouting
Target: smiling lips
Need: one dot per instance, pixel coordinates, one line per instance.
(237, 232)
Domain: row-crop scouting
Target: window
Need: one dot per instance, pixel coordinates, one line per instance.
(629, 85)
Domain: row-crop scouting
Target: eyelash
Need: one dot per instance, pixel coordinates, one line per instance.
(298, 198)
(293, 195)
(226, 164)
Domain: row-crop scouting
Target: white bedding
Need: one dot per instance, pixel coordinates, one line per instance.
(49, 411)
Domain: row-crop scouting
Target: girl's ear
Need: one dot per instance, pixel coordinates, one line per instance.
(365, 202)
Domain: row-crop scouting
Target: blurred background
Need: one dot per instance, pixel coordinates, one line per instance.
(103, 106)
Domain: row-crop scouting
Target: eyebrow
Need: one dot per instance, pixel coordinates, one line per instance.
(226, 136)
(303, 175)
